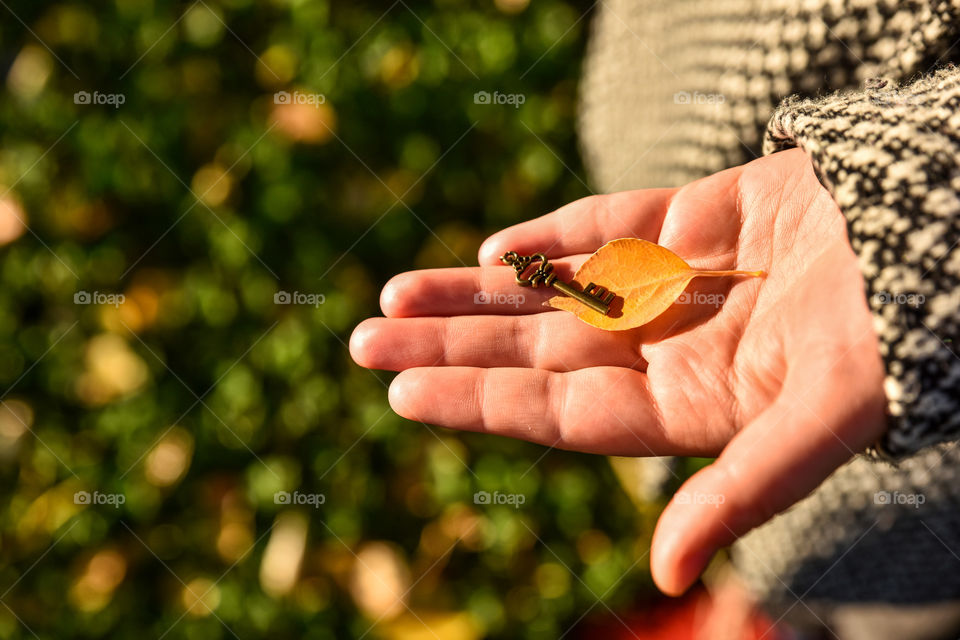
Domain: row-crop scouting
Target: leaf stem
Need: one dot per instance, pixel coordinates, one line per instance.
(714, 274)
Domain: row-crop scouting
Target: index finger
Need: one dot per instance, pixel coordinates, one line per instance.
(583, 226)
(463, 291)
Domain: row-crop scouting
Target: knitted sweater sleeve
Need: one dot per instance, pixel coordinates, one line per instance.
(890, 156)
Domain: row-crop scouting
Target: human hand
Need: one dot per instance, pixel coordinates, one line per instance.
(782, 381)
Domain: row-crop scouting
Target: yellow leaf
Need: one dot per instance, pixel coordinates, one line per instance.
(645, 277)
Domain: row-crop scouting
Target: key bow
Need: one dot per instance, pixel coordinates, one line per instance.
(542, 275)
(594, 296)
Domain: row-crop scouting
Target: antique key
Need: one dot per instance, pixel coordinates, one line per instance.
(595, 297)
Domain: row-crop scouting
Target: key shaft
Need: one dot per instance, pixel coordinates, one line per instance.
(597, 305)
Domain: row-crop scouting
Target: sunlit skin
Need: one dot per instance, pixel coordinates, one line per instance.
(782, 382)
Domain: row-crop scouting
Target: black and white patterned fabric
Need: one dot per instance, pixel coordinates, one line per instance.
(674, 91)
(891, 159)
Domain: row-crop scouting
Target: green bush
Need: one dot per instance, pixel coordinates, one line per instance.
(144, 435)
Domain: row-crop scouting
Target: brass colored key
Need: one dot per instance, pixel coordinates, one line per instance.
(594, 296)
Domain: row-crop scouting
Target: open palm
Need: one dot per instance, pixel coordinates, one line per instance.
(780, 377)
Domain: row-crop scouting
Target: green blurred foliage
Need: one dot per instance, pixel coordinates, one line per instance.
(196, 398)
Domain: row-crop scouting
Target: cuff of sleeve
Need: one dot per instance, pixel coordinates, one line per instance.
(889, 157)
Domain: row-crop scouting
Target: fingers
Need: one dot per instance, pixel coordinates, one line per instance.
(583, 226)
(605, 410)
(552, 341)
(468, 291)
(811, 429)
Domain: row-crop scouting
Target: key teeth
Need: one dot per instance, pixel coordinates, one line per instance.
(600, 293)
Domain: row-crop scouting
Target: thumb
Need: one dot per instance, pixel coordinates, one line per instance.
(813, 427)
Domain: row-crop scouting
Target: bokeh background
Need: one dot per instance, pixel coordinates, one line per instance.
(156, 391)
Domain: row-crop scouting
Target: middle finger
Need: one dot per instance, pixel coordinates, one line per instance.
(551, 341)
